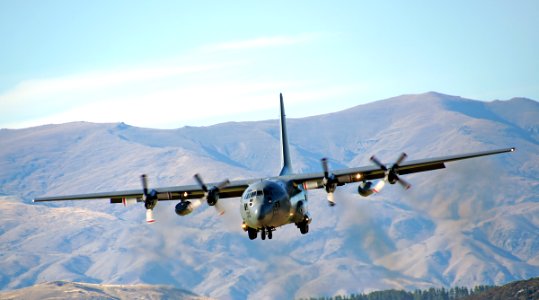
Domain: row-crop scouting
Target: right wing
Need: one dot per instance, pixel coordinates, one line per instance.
(344, 176)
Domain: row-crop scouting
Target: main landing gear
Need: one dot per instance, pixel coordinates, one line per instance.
(264, 232)
(304, 225)
(252, 233)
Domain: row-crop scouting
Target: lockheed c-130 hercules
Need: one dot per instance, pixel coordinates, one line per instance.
(268, 203)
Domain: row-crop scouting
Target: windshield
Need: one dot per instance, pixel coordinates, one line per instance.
(252, 194)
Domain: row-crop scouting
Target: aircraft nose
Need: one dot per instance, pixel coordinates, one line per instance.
(264, 213)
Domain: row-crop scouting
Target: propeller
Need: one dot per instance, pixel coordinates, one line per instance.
(212, 194)
(149, 198)
(392, 174)
(330, 182)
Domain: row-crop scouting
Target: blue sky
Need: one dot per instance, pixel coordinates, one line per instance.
(167, 64)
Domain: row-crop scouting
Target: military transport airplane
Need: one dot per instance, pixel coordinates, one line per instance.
(268, 203)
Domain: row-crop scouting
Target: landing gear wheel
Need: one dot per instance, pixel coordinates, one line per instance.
(304, 228)
(263, 234)
(252, 233)
(270, 235)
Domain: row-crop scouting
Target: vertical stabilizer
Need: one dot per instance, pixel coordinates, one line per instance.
(285, 154)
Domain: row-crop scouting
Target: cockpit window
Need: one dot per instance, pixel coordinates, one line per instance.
(251, 194)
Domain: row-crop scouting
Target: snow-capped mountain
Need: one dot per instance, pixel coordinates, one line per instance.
(475, 222)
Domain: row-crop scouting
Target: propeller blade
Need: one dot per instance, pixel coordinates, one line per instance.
(150, 199)
(395, 168)
(378, 163)
(149, 216)
(144, 185)
(392, 174)
(330, 182)
(128, 201)
(331, 199)
(218, 206)
(196, 203)
(220, 209)
(325, 167)
(402, 157)
(201, 183)
(379, 185)
(405, 185)
(211, 195)
(223, 184)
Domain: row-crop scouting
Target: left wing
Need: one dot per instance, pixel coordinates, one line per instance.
(185, 192)
(343, 176)
(201, 192)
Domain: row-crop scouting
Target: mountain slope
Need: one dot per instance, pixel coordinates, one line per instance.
(75, 290)
(524, 289)
(472, 223)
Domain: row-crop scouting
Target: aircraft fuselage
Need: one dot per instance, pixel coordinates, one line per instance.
(268, 204)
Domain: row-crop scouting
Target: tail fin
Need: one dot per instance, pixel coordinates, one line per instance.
(285, 155)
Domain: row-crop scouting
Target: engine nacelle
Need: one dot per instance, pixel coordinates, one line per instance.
(127, 201)
(312, 184)
(186, 207)
(367, 189)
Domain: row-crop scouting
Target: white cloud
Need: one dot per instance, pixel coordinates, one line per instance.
(199, 104)
(195, 90)
(27, 92)
(144, 97)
